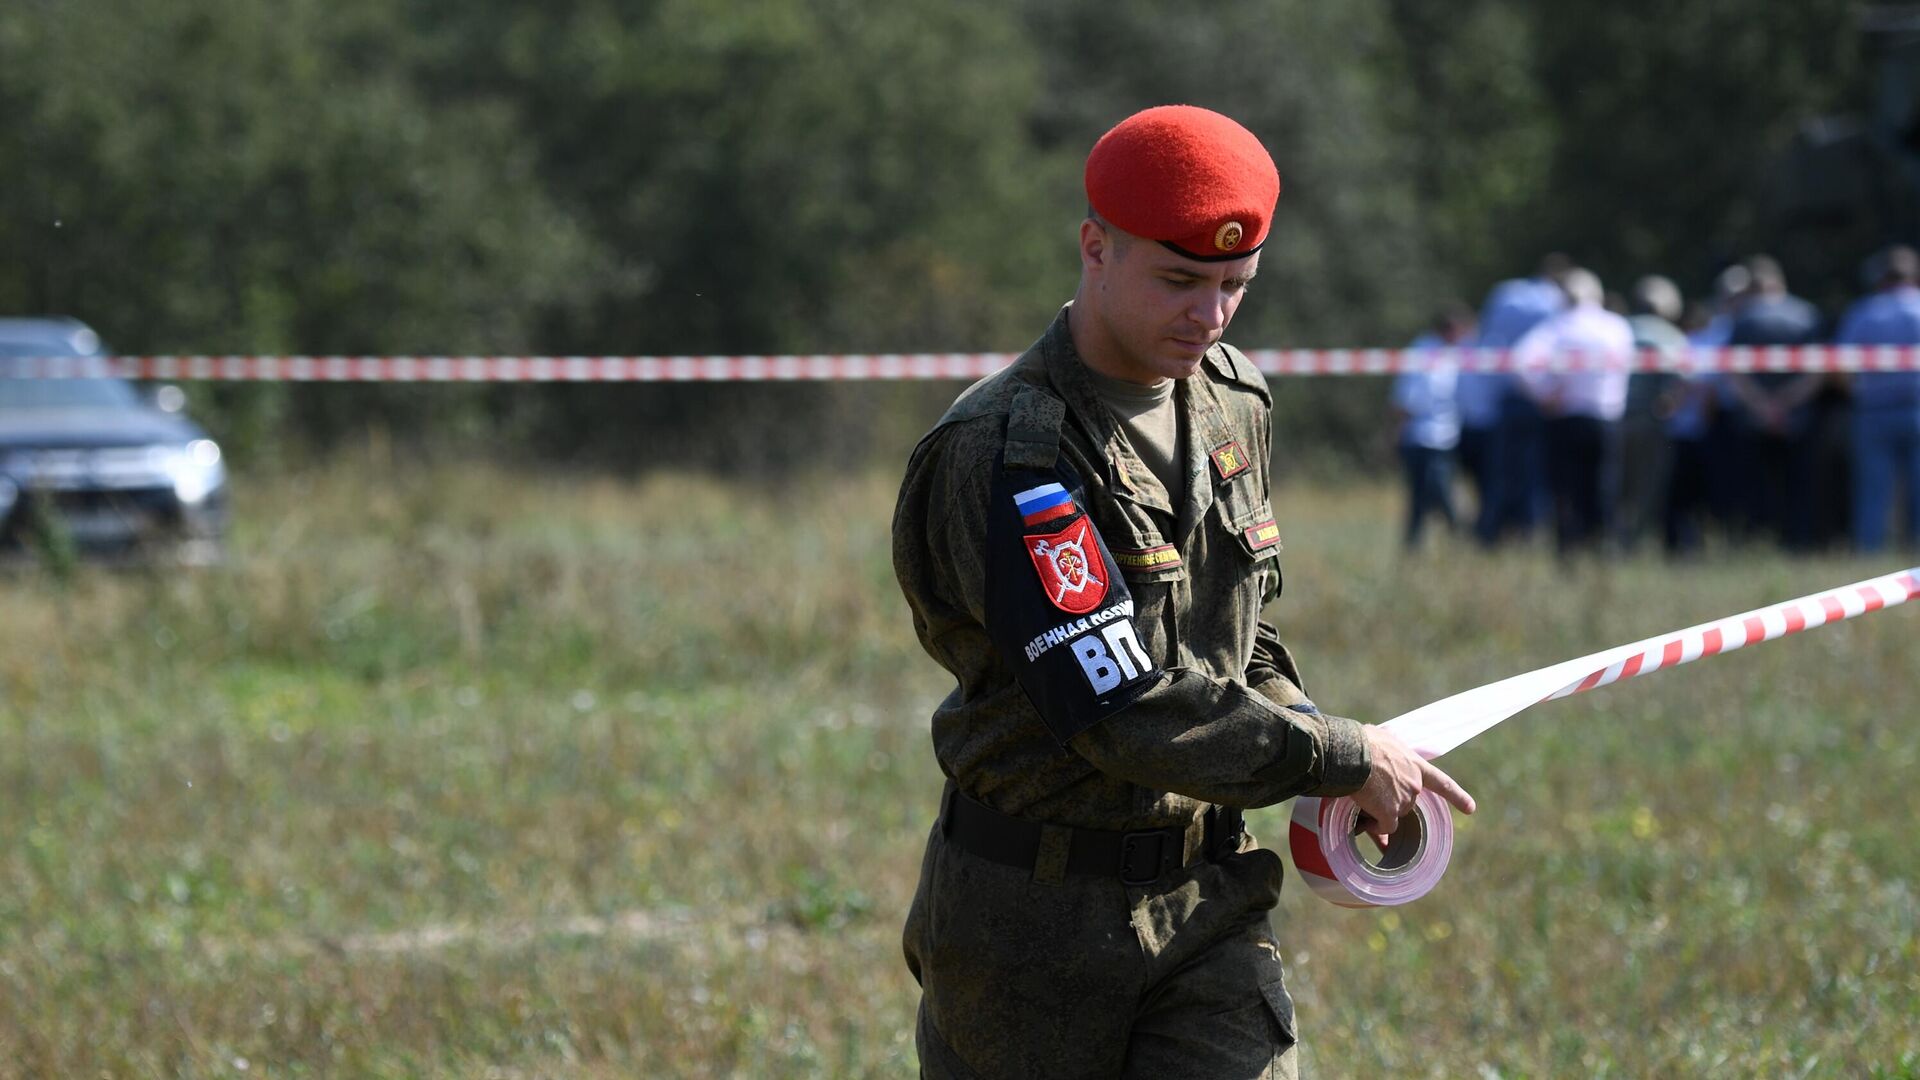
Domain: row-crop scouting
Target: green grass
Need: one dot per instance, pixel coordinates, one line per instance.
(457, 772)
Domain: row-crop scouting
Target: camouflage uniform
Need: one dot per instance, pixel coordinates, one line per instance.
(1038, 971)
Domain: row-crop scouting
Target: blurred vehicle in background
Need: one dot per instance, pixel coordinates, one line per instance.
(93, 465)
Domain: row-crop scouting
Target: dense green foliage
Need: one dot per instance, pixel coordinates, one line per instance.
(707, 176)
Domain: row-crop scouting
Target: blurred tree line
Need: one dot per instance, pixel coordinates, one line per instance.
(714, 176)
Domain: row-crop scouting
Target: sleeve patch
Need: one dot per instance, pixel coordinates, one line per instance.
(1071, 570)
(1164, 557)
(1048, 502)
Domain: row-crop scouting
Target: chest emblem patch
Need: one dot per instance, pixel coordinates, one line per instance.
(1230, 461)
(1071, 570)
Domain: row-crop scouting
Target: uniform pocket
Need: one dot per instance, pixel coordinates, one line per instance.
(1281, 1004)
(1256, 536)
(1256, 531)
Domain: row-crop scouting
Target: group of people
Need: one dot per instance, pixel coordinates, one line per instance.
(1606, 457)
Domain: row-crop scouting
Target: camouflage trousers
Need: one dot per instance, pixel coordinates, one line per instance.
(1092, 978)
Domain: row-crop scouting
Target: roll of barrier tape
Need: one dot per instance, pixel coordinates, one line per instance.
(1325, 839)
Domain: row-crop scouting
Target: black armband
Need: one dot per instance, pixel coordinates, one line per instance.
(1057, 611)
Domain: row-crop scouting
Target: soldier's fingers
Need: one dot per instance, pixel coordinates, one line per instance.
(1433, 779)
(1371, 825)
(1377, 835)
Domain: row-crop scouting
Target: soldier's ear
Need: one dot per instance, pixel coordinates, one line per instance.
(1097, 246)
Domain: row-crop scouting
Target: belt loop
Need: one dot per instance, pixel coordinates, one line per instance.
(1198, 841)
(1050, 862)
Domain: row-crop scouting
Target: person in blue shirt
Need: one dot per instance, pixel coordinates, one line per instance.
(1429, 422)
(1772, 413)
(1514, 493)
(1886, 404)
(1731, 287)
(1723, 457)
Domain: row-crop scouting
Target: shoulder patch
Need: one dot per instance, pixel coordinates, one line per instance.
(1072, 573)
(1039, 505)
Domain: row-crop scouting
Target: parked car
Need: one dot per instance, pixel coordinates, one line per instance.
(94, 462)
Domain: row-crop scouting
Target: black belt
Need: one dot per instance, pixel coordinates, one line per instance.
(1142, 857)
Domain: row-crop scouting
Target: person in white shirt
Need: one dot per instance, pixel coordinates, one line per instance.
(1428, 414)
(1583, 407)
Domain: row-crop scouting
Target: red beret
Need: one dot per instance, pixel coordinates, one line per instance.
(1188, 177)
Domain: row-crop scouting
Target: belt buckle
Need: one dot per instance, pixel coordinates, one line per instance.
(1132, 843)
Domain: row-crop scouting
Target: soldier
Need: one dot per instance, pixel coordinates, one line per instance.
(1085, 541)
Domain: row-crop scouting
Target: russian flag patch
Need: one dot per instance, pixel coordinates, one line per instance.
(1044, 503)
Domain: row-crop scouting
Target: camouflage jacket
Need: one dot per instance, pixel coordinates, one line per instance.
(1058, 717)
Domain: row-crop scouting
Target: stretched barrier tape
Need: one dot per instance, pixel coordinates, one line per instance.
(922, 366)
(1322, 832)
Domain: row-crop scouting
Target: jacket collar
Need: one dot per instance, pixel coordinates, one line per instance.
(1203, 421)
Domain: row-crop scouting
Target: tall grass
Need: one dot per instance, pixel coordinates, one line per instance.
(458, 772)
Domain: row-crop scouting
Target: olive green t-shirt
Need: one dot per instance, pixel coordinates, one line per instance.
(1151, 418)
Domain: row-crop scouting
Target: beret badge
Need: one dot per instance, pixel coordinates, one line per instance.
(1229, 236)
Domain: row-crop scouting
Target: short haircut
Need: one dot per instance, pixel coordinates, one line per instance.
(1901, 266)
(1732, 283)
(1656, 295)
(1583, 286)
(1766, 272)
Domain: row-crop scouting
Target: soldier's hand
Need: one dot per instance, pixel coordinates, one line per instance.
(1398, 777)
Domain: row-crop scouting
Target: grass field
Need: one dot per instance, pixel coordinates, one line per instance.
(456, 772)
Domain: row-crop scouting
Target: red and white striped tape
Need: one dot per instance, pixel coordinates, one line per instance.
(1804, 358)
(920, 366)
(484, 369)
(1755, 627)
(1436, 728)
(1321, 833)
